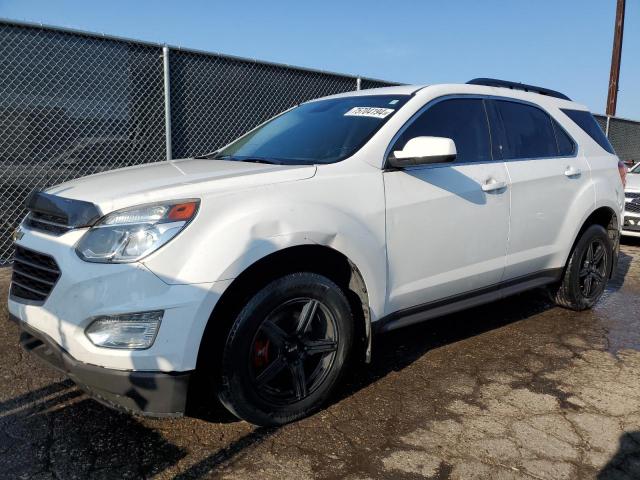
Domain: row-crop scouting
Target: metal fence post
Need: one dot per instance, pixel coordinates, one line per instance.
(358, 83)
(167, 100)
(606, 130)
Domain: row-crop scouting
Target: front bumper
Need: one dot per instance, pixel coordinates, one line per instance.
(152, 393)
(631, 215)
(631, 224)
(86, 290)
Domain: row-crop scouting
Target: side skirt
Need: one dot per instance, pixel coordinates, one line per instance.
(456, 303)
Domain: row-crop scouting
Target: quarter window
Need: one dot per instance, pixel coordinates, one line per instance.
(462, 120)
(589, 124)
(528, 131)
(566, 146)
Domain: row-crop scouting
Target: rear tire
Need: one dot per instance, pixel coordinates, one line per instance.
(286, 350)
(585, 276)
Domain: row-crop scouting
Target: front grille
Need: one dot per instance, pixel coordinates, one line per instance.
(632, 207)
(34, 275)
(632, 195)
(48, 223)
(632, 224)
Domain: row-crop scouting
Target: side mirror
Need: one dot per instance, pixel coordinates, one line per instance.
(424, 150)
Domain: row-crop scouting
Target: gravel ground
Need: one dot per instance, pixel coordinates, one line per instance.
(515, 389)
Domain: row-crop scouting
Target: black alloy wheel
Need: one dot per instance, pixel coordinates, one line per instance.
(593, 272)
(293, 350)
(585, 276)
(286, 350)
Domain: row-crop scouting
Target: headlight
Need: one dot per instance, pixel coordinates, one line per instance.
(133, 233)
(135, 331)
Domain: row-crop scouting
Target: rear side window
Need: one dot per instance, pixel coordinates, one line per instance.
(464, 120)
(566, 145)
(589, 124)
(528, 131)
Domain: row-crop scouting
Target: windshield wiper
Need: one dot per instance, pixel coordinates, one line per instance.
(214, 156)
(268, 161)
(242, 159)
(259, 160)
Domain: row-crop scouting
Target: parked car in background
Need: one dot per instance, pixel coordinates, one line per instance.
(258, 271)
(631, 225)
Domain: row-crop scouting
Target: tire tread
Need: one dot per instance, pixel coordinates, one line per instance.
(564, 293)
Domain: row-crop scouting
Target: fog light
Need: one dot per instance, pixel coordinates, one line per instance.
(135, 331)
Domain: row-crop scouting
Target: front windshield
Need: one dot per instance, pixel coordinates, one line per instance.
(325, 131)
(635, 169)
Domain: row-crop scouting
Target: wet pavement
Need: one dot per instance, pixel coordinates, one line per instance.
(514, 389)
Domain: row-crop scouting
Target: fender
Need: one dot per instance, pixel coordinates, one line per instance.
(346, 235)
(603, 202)
(583, 205)
(243, 231)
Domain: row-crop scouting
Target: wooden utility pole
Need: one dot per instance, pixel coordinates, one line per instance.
(614, 77)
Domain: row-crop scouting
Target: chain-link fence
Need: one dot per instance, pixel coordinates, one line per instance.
(624, 135)
(73, 104)
(216, 99)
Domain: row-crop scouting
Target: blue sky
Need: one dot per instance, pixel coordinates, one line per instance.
(560, 44)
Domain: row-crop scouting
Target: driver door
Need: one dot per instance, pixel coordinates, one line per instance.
(447, 224)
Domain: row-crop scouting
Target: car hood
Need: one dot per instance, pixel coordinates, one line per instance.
(633, 181)
(187, 178)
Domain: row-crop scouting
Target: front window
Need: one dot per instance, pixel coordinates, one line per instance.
(635, 169)
(463, 120)
(325, 131)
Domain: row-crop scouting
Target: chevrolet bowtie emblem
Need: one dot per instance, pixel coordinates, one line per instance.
(18, 233)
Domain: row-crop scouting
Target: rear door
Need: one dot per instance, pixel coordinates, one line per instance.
(547, 178)
(447, 223)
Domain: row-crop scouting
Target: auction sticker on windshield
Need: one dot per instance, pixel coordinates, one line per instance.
(375, 112)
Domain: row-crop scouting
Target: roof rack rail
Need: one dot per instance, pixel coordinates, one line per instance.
(493, 82)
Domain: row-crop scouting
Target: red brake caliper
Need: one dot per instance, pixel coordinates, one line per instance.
(261, 353)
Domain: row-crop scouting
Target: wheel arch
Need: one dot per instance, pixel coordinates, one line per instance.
(311, 257)
(607, 217)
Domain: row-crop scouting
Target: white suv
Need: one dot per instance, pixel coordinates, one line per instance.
(256, 271)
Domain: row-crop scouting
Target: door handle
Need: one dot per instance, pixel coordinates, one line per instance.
(491, 185)
(572, 172)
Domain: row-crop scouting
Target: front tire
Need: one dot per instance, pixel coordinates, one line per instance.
(286, 350)
(587, 270)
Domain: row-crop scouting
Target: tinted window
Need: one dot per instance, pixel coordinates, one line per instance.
(325, 131)
(462, 120)
(589, 124)
(528, 131)
(566, 146)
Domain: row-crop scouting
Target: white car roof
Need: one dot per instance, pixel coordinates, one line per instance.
(463, 88)
(395, 90)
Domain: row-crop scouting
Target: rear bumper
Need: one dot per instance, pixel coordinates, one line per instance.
(151, 393)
